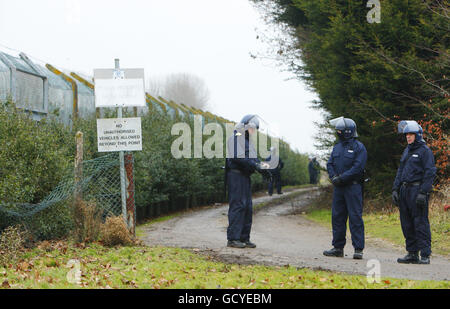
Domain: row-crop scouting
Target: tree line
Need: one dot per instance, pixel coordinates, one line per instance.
(376, 73)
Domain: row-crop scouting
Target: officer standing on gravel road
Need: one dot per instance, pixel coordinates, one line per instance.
(410, 193)
(275, 169)
(313, 170)
(346, 171)
(241, 162)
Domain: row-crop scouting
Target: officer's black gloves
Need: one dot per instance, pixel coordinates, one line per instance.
(421, 199)
(395, 198)
(337, 181)
(264, 172)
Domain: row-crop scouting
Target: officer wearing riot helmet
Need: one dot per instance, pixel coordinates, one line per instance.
(276, 165)
(346, 171)
(241, 162)
(313, 170)
(410, 192)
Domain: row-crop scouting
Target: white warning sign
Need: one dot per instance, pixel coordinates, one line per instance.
(119, 134)
(119, 92)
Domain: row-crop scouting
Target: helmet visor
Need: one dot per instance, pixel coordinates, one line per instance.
(253, 121)
(344, 124)
(408, 126)
(338, 123)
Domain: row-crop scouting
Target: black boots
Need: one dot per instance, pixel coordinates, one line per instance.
(413, 258)
(410, 258)
(358, 255)
(424, 260)
(337, 252)
(236, 244)
(249, 244)
(240, 244)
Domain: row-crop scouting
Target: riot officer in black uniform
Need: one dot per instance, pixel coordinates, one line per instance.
(241, 162)
(346, 171)
(314, 171)
(410, 192)
(276, 165)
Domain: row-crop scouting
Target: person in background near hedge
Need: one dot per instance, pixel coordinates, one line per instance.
(346, 171)
(276, 165)
(410, 193)
(314, 171)
(241, 162)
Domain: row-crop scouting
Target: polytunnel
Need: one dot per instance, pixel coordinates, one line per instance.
(45, 90)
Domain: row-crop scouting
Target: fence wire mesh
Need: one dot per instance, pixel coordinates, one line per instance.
(99, 184)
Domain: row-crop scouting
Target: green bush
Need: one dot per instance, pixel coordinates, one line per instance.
(34, 156)
(54, 222)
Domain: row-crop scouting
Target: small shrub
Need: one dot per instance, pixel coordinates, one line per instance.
(87, 221)
(114, 232)
(12, 241)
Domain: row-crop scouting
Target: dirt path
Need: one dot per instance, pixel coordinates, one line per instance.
(284, 237)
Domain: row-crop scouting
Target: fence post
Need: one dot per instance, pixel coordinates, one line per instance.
(78, 165)
(131, 207)
(77, 193)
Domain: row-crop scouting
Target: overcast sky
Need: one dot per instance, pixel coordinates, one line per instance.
(212, 39)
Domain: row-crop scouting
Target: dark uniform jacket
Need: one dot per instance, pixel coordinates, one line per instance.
(416, 165)
(348, 159)
(241, 153)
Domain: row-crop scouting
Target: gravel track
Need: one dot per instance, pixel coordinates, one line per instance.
(284, 237)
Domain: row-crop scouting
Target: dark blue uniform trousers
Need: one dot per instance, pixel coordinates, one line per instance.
(347, 203)
(414, 221)
(240, 207)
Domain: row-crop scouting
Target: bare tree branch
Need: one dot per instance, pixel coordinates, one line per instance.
(427, 81)
(366, 103)
(423, 103)
(442, 7)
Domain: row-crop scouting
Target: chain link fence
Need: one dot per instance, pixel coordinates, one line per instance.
(99, 184)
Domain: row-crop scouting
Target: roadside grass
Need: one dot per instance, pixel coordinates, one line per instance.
(384, 222)
(291, 188)
(140, 229)
(159, 267)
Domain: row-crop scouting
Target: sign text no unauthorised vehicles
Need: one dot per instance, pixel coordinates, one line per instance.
(119, 134)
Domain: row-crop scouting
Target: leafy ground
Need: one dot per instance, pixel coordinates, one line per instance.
(47, 266)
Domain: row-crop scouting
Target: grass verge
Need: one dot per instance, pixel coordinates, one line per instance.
(157, 267)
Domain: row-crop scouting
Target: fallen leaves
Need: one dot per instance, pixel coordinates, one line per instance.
(5, 284)
(24, 266)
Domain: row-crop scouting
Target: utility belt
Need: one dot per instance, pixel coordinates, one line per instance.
(411, 184)
(233, 170)
(236, 171)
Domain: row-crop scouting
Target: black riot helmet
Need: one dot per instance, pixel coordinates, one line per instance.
(346, 127)
(410, 126)
(249, 121)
